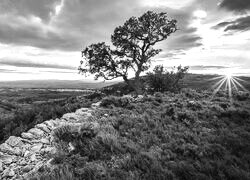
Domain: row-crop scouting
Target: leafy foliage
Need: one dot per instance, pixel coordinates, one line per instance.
(133, 44)
(161, 80)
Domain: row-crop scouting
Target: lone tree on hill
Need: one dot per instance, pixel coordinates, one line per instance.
(133, 49)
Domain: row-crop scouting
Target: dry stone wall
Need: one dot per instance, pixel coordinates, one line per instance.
(22, 156)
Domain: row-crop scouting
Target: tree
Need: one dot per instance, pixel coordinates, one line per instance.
(133, 49)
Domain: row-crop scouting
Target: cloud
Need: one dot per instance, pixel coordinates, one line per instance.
(43, 9)
(23, 63)
(61, 72)
(28, 32)
(183, 40)
(201, 67)
(240, 24)
(79, 23)
(236, 5)
(187, 41)
(10, 71)
(7, 71)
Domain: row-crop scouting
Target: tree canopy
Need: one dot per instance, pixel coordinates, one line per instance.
(132, 48)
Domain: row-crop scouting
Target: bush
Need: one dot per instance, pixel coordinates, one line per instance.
(161, 80)
(242, 96)
(116, 101)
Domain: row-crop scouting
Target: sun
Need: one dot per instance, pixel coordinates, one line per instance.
(228, 75)
(229, 82)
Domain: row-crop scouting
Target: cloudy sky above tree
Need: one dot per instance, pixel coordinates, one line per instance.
(42, 39)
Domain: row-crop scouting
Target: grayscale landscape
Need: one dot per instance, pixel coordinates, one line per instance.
(124, 90)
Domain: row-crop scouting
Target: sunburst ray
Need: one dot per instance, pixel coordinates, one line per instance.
(230, 83)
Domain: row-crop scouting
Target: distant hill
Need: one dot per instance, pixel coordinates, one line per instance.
(193, 81)
(201, 81)
(54, 84)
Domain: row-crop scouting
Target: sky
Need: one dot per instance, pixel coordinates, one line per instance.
(43, 39)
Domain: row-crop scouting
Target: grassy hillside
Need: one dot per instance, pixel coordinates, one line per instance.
(190, 134)
(21, 109)
(187, 135)
(193, 81)
(205, 82)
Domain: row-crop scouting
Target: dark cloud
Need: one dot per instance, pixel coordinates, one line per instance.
(240, 24)
(171, 54)
(23, 63)
(81, 22)
(184, 40)
(221, 25)
(23, 33)
(236, 5)
(78, 24)
(186, 37)
(44, 9)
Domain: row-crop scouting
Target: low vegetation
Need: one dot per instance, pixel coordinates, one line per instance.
(21, 110)
(186, 135)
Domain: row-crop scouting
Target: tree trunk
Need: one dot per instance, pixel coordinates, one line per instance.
(135, 84)
(138, 86)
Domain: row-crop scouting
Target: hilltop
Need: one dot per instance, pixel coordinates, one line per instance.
(190, 134)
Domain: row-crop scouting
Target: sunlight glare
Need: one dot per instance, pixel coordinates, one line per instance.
(200, 14)
(170, 3)
(228, 75)
(229, 82)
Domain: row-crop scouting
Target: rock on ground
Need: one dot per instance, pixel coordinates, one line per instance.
(22, 156)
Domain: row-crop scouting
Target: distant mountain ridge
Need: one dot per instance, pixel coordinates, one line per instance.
(54, 84)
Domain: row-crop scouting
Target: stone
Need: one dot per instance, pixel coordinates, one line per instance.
(6, 159)
(33, 157)
(27, 168)
(10, 150)
(43, 127)
(14, 141)
(70, 117)
(50, 150)
(1, 166)
(105, 115)
(95, 105)
(26, 153)
(36, 132)
(28, 136)
(45, 141)
(82, 111)
(36, 148)
(50, 124)
(8, 173)
(23, 162)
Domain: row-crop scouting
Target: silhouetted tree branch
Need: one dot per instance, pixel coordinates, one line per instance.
(133, 44)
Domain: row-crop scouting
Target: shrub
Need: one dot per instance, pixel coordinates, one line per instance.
(116, 101)
(161, 80)
(242, 96)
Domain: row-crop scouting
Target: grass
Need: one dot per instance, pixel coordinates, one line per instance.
(187, 135)
(22, 109)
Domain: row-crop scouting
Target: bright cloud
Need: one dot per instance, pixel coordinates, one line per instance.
(43, 39)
